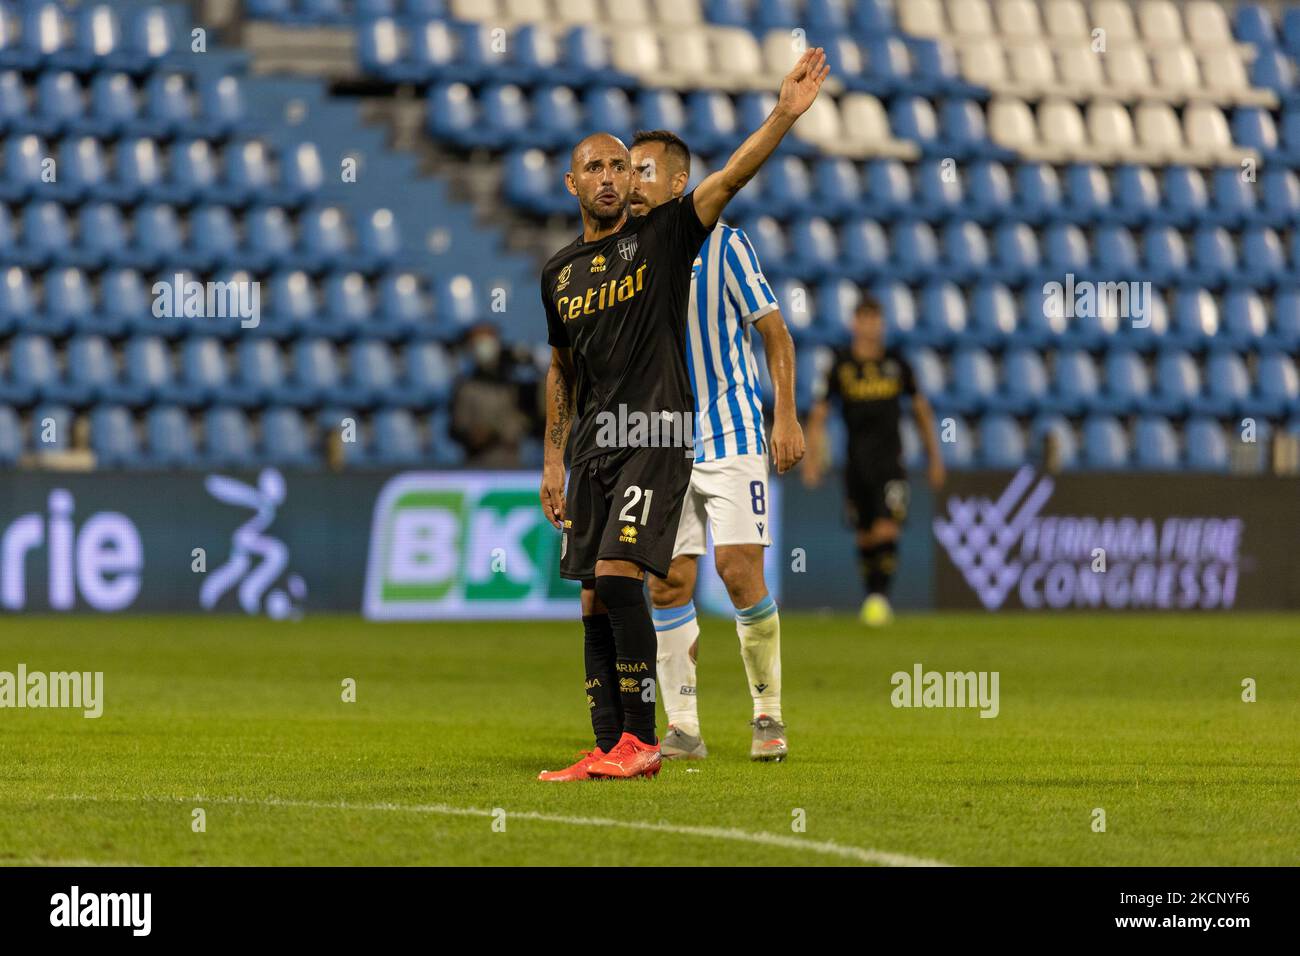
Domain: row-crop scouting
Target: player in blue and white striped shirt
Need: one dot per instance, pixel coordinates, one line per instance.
(728, 490)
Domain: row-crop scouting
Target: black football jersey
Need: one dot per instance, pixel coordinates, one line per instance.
(870, 396)
(620, 304)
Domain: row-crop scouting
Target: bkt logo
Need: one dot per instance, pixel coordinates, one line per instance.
(1055, 561)
(468, 545)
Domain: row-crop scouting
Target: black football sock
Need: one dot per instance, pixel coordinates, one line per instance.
(637, 647)
(882, 573)
(867, 567)
(602, 680)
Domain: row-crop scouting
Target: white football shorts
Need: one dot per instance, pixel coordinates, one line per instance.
(729, 497)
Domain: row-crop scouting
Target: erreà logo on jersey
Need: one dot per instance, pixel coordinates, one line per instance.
(598, 263)
(463, 545)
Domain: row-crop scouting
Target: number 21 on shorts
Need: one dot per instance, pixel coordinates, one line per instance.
(636, 495)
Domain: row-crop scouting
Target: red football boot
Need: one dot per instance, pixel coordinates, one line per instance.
(578, 771)
(629, 758)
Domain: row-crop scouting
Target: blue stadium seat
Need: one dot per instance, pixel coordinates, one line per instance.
(1227, 386)
(396, 438)
(1214, 256)
(1277, 389)
(148, 366)
(837, 186)
(113, 438)
(429, 374)
(1128, 383)
(815, 250)
(348, 307)
(1178, 384)
(915, 250)
(993, 315)
(1002, 444)
(1245, 319)
(889, 189)
(1053, 434)
(1252, 23)
(227, 438)
(865, 249)
(1137, 194)
(1263, 258)
(943, 314)
(974, 381)
(897, 303)
(1016, 253)
(1105, 446)
(1234, 200)
(50, 429)
(1155, 445)
(966, 254)
(1038, 193)
(284, 438)
(11, 436)
(372, 376)
(1207, 447)
(1195, 319)
(938, 192)
(988, 192)
(1024, 382)
(1282, 187)
(1075, 382)
(959, 453)
(1186, 200)
(1087, 193)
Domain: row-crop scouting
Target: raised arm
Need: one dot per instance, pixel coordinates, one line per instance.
(560, 399)
(798, 90)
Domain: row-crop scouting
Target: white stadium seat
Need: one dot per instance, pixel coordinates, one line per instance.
(1226, 80)
(1033, 68)
(866, 129)
(1176, 70)
(1079, 69)
(922, 18)
(525, 11)
(636, 52)
(1061, 127)
(970, 18)
(1207, 25)
(1159, 132)
(688, 60)
(1160, 23)
(1018, 19)
(471, 11)
(1116, 18)
(678, 12)
(738, 57)
(578, 12)
(779, 52)
(1011, 124)
(1110, 130)
(1206, 130)
(1066, 20)
(629, 13)
(984, 63)
(1129, 70)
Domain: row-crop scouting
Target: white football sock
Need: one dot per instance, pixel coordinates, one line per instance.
(759, 628)
(678, 631)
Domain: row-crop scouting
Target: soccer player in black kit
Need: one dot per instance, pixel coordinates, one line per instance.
(868, 381)
(616, 302)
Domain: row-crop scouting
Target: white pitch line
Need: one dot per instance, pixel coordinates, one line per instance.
(826, 847)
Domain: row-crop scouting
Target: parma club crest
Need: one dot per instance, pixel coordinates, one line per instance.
(627, 247)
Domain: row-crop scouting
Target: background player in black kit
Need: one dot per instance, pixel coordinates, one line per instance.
(868, 381)
(616, 301)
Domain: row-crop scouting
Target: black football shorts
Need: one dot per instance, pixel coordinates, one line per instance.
(624, 506)
(869, 497)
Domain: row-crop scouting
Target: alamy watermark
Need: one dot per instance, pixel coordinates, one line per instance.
(180, 298)
(637, 429)
(78, 690)
(922, 688)
(1085, 299)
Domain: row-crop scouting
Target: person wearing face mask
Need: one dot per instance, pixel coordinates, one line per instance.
(488, 416)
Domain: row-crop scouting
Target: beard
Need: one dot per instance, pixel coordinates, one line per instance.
(602, 216)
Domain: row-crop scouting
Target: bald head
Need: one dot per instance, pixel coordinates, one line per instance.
(600, 175)
(599, 143)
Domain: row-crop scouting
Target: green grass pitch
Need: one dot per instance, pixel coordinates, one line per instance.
(1141, 716)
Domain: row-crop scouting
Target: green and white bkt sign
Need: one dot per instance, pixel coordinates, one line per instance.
(464, 545)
